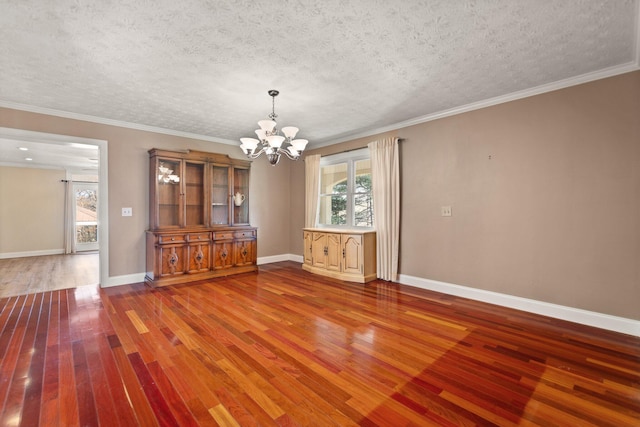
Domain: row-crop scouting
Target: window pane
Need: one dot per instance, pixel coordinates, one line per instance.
(333, 179)
(363, 176)
(363, 210)
(333, 210)
(86, 233)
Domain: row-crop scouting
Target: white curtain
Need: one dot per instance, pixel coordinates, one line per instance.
(69, 218)
(312, 184)
(385, 174)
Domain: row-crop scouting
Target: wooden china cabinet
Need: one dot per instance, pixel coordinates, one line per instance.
(198, 217)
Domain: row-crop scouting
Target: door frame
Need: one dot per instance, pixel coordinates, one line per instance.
(103, 183)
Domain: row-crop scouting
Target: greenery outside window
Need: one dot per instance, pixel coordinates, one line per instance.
(346, 198)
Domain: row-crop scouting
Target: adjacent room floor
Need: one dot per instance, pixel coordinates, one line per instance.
(21, 276)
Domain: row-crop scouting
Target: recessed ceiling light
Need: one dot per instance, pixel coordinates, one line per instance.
(28, 159)
(23, 149)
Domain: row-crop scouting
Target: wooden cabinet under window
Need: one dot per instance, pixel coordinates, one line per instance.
(198, 217)
(347, 255)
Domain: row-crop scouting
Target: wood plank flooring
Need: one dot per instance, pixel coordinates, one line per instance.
(20, 276)
(286, 348)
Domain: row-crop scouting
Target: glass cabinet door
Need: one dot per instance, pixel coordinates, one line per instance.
(168, 186)
(220, 195)
(240, 196)
(194, 194)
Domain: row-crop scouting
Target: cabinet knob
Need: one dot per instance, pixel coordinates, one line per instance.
(173, 238)
(199, 237)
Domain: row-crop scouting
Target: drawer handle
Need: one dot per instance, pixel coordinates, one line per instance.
(173, 238)
(199, 237)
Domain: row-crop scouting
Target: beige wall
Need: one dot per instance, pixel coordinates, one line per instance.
(545, 193)
(31, 210)
(128, 186)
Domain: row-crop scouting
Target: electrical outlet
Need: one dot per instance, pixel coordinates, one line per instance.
(127, 211)
(446, 211)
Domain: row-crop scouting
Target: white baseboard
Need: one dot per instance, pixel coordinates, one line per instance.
(123, 280)
(7, 255)
(279, 258)
(576, 315)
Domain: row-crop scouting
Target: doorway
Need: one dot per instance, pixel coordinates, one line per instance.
(9, 135)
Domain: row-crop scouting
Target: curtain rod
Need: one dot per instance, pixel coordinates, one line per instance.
(80, 182)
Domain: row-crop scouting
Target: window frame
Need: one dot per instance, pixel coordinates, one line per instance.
(350, 158)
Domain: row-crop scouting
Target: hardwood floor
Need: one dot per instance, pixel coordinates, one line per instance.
(20, 276)
(287, 348)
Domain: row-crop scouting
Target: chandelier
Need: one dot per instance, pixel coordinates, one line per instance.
(270, 142)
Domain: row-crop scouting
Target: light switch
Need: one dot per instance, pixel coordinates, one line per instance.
(446, 211)
(127, 211)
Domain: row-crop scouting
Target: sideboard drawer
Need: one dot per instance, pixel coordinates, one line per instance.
(246, 234)
(223, 235)
(198, 237)
(171, 238)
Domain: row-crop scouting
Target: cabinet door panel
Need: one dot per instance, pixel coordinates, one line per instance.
(222, 255)
(167, 191)
(334, 252)
(308, 250)
(240, 195)
(194, 194)
(318, 249)
(352, 247)
(172, 260)
(198, 258)
(220, 195)
(244, 252)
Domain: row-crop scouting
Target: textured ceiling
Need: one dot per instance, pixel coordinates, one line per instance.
(343, 68)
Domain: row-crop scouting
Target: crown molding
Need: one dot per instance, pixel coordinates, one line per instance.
(111, 122)
(549, 87)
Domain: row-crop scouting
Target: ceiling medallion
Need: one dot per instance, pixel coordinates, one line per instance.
(270, 142)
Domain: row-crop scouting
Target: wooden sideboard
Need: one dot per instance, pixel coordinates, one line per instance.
(198, 217)
(342, 254)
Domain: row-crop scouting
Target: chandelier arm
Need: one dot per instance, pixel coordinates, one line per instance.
(288, 154)
(256, 154)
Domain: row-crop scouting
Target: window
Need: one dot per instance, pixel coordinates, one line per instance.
(86, 195)
(345, 190)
